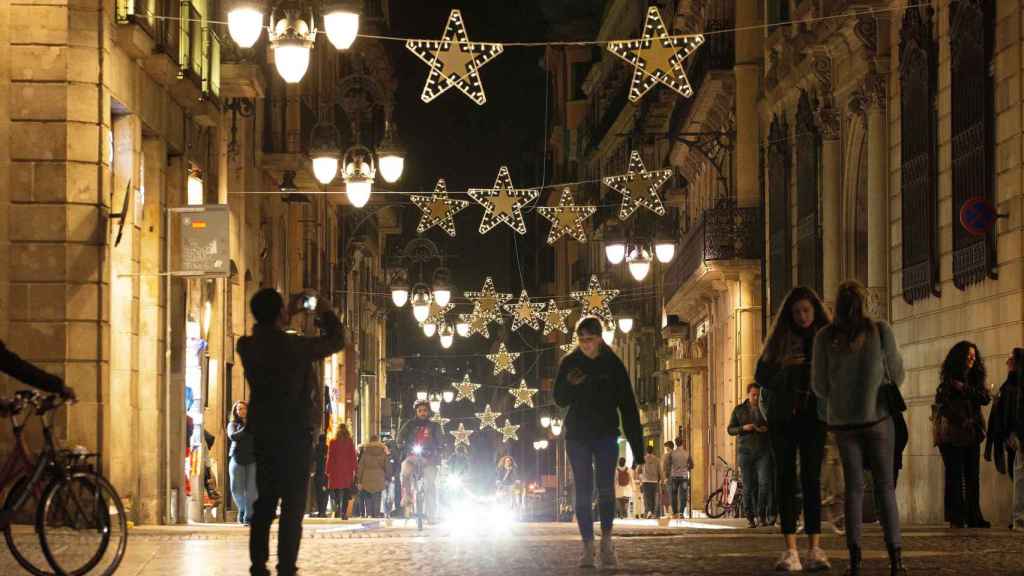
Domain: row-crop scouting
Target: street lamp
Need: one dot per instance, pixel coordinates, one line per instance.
(639, 262)
(341, 19)
(429, 329)
(399, 290)
(447, 337)
(324, 151)
(615, 251)
(462, 326)
(245, 23)
(421, 395)
(358, 174)
(625, 324)
(545, 421)
(442, 289)
(291, 39)
(449, 394)
(420, 302)
(665, 251)
(556, 426)
(435, 402)
(608, 335)
(540, 445)
(391, 155)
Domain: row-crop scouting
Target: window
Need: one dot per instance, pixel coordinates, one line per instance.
(808, 166)
(918, 175)
(780, 275)
(972, 29)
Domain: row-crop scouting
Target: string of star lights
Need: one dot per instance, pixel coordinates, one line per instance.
(503, 203)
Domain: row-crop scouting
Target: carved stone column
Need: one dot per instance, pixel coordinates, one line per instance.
(878, 196)
(828, 120)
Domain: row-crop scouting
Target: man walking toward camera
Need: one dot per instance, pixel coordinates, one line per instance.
(283, 417)
(679, 487)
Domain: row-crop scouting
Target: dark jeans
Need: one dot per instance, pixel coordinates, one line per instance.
(872, 446)
(756, 470)
(320, 490)
(806, 436)
(584, 457)
(282, 475)
(679, 492)
(962, 481)
(371, 503)
(650, 498)
(340, 497)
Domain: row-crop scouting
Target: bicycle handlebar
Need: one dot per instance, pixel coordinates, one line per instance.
(22, 399)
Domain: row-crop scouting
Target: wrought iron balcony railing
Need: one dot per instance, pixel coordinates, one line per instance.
(724, 233)
(141, 12)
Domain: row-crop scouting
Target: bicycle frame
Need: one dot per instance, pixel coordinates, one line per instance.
(19, 464)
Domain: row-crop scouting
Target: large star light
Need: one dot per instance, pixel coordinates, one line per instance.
(437, 313)
(488, 418)
(503, 203)
(438, 209)
(461, 435)
(478, 324)
(465, 390)
(657, 57)
(571, 345)
(554, 318)
(523, 395)
(525, 313)
(595, 300)
(487, 302)
(504, 361)
(567, 218)
(454, 61)
(639, 187)
(509, 431)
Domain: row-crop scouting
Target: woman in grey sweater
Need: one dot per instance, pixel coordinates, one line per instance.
(853, 358)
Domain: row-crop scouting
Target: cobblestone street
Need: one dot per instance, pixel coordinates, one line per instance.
(550, 549)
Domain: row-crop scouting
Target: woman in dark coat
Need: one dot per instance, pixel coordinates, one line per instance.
(959, 430)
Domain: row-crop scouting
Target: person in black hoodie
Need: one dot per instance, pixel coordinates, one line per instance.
(796, 421)
(1005, 430)
(593, 383)
(959, 430)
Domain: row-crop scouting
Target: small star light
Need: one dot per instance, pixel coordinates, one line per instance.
(488, 418)
(454, 61)
(525, 313)
(503, 203)
(438, 209)
(567, 218)
(478, 324)
(657, 57)
(639, 187)
(466, 390)
(461, 435)
(487, 303)
(509, 431)
(595, 301)
(504, 361)
(440, 420)
(554, 319)
(571, 345)
(523, 395)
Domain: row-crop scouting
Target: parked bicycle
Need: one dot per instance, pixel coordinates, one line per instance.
(60, 517)
(728, 498)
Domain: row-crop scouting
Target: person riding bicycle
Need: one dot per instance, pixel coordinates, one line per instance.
(420, 442)
(19, 369)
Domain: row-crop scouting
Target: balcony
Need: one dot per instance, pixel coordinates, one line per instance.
(137, 26)
(725, 233)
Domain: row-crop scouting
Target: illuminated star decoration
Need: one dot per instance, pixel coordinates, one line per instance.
(437, 314)
(454, 61)
(438, 209)
(596, 301)
(639, 187)
(487, 303)
(509, 431)
(525, 313)
(466, 390)
(504, 361)
(488, 418)
(477, 324)
(461, 435)
(571, 345)
(657, 57)
(440, 420)
(554, 319)
(567, 218)
(503, 203)
(524, 395)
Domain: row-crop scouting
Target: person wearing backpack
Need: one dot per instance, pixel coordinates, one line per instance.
(623, 488)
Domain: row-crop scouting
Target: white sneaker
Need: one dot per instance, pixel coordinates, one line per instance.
(817, 560)
(790, 562)
(608, 557)
(587, 558)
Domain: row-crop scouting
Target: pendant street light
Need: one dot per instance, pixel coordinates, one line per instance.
(358, 174)
(462, 328)
(420, 302)
(429, 329)
(545, 421)
(421, 395)
(665, 251)
(442, 289)
(639, 262)
(615, 252)
(341, 21)
(435, 402)
(291, 39)
(448, 395)
(625, 324)
(447, 334)
(390, 155)
(556, 426)
(324, 147)
(245, 23)
(608, 336)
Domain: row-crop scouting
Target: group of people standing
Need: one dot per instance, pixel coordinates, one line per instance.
(659, 487)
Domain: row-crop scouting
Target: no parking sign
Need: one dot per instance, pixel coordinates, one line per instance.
(978, 216)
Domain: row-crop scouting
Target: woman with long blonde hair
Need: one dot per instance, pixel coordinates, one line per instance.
(341, 468)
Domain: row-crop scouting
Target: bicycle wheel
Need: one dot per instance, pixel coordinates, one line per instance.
(715, 507)
(20, 534)
(82, 526)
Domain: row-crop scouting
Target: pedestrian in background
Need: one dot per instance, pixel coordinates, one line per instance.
(959, 429)
(855, 360)
(341, 469)
(796, 422)
(282, 417)
(594, 384)
(754, 455)
(650, 478)
(242, 463)
(623, 488)
(320, 477)
(371, 475)
(1005, 431)
(679, 478)
(665, 493)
